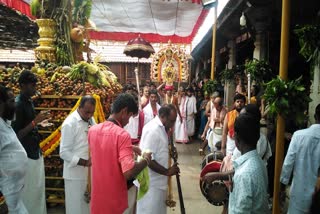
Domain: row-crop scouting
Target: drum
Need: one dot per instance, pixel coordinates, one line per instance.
(214, 156)
(217, 192)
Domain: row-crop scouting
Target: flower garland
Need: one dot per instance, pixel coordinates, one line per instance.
(49, 144)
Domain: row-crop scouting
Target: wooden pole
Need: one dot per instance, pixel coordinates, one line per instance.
(214, 32)
(136, 71)
(283, 72)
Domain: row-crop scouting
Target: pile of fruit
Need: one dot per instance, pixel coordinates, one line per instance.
(81, 78)
(50, 103)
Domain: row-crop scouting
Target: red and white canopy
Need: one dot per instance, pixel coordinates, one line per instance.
(154, 20)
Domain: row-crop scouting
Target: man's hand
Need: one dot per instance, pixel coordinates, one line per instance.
(203, 137)
(210, 177)
(89, 163)
(43, 115)
(84, 163)
(173, 170)
(136, 150)
(147, 156)
(45, 123)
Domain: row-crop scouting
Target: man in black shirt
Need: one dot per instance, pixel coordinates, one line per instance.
(25, 127)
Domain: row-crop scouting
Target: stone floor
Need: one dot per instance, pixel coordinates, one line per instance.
(189, 162)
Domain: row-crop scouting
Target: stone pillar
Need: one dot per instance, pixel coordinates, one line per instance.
(260, 19)
(314, 93)
(260, 44)
(230, 87)
(197, 70)
(205, 64)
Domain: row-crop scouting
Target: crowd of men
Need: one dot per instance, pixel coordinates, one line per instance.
(108, 166)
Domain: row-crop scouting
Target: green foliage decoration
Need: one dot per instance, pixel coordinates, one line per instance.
(227, 75)
(43, 9)
(259, 70)
(210, 86)
(81, 11)
(64, 50)
(230, 74)
(287, 98)
(309, 42)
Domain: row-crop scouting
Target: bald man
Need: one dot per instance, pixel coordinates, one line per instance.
(217, 115)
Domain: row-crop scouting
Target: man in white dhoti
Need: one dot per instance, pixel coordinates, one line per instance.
(180, 130)
(191, 106)
(155, 138)
(152, 109)
(13, 157)
(25, 126)
(217, 115)
(74, 151)
(228, 143)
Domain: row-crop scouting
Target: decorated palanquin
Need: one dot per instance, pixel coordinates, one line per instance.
(170, 64)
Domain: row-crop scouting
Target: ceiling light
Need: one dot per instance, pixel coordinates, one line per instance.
(243, 21)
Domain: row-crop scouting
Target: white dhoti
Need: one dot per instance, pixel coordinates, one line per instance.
(180, 131)
(74, 196)
(33, 194)
(154, 202)
(132, 198)
(190, 125)
(15, 204)
(231, 145)
(214, 138)
(191, 110)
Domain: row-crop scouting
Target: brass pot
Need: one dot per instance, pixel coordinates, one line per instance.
(47, 33)
(47, 28)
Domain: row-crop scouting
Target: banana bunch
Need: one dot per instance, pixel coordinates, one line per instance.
(95, 73)
(60, 72)
(77, 71)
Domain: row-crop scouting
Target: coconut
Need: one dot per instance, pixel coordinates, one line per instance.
(76, 34)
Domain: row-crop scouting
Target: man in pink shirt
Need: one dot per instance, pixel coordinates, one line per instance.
(112, 159)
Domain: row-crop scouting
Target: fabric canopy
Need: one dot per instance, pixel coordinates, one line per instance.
(155, 20)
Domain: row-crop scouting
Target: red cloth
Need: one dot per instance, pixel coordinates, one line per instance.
(168, 87)
(111, 156)
(19, 5)
(213, 166)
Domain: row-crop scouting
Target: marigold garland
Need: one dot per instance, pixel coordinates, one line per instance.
(49, 144)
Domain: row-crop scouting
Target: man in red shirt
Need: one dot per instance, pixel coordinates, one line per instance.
(112, 159)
